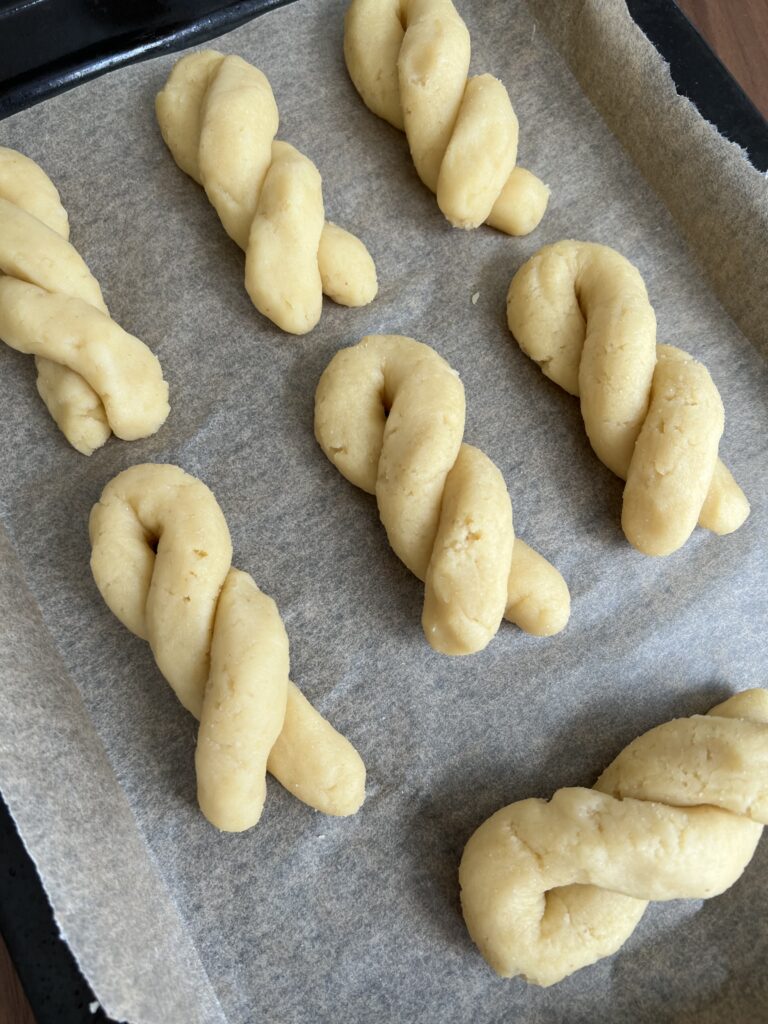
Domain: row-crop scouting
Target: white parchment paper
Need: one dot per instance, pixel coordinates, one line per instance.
(307, 918)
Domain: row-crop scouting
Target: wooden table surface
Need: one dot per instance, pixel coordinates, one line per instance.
(737, 30)
(738, 33)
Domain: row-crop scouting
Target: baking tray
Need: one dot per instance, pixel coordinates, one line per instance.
(47, 46)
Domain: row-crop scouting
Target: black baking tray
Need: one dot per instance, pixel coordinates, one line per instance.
(47, 46)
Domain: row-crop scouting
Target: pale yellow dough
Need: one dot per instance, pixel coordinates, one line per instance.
(219, 119)
(94, 378)
(161, 557)
(550, 887)
(651, 412)
(389, 414)
(409, 60)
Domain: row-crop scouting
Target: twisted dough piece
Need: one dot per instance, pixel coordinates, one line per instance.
(548, 888)
(389, 414)
(161, 557)
(93, 376)
(652, 413)
(409, 60)
(219, 118)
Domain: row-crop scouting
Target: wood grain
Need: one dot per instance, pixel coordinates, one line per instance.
(737, 30)
(14, 1008)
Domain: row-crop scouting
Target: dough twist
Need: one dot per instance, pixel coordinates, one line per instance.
(409, 60)
(219, 118)
(94, 377)
(550, 887)
(389, 414)
(161, 558)
(652, 413)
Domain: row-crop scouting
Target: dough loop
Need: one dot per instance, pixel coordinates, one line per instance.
(94, 378)
(652, 413)
(161, 558)
(389, 414)
(409, 60)
(550, 887)
(219, 119)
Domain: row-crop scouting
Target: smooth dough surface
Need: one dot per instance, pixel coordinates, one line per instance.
(389, 414)
(161, 558)
(549, 887)
(219, 119)
(652, 413)
(409, 60)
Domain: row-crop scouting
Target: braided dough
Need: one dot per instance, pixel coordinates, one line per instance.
(652, 413)
(548, 888)
(409, 60)
(219, 118)
(161, 558)
(389, 414)
(94, 377)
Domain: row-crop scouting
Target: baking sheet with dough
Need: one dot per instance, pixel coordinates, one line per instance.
(307, 918)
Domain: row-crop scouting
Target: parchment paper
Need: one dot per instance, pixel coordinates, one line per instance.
(307, 918)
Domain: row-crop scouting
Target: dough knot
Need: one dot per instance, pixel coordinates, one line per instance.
(550, 887)
(409, 61)
(652, 413)
(219, 119)
(389, 414)
(94, 378)
(161, 558)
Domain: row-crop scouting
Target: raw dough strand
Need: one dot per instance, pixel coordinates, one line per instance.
(94, 378)
(389, 414)
(652, 413)
(409, 60)
(219, 119)
(161, 557)
(548, 887)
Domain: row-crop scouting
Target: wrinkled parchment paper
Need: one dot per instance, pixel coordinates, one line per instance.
(307, 918)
